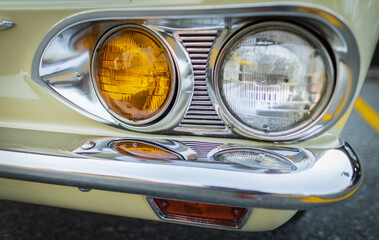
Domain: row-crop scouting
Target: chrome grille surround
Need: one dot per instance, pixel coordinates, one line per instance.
(201, 115)
(57, 70)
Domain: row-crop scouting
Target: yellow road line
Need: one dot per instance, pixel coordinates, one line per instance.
(320, 200)
(367, 113)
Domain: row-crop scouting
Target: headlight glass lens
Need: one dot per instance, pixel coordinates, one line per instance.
(133, 75)
(274, 79)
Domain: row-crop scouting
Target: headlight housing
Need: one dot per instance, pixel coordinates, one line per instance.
(273, 80)
(64, 66)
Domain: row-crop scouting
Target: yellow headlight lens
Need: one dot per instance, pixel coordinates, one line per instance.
(133, 74)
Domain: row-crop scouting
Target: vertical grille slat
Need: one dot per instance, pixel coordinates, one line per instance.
(201, 114)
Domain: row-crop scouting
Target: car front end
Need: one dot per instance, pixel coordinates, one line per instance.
(213, 114)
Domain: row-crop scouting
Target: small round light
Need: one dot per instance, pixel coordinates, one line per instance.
(133, 74)
(273, 79)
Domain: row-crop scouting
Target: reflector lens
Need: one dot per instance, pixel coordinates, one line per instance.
(133, 74)
(254, 159)
(274, 79)
(143, 151)
(200, 213)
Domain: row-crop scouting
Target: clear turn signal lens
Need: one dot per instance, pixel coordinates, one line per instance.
(274, 79)
(256, 159)
(133, 74)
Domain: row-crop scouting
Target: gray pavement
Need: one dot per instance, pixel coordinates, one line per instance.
(354, 218)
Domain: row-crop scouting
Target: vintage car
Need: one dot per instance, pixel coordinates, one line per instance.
(221, 114)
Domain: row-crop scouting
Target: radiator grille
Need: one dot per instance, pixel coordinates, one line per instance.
(201, 113)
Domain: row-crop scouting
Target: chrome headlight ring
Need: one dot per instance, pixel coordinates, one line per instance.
(344, 54)
(70, 78)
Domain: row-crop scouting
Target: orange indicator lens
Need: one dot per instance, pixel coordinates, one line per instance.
(133, 74)
(143, 151)
(200, 213)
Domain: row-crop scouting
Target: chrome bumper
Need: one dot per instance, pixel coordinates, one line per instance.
(333, 175)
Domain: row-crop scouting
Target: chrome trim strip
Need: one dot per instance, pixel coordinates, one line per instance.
(5, 24)
(334, 176)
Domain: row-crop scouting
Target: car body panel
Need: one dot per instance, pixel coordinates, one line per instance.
(114, 203)
(30, 116)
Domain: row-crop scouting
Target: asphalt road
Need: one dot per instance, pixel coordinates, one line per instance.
(354, 218)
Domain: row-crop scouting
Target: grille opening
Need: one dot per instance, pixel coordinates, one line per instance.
(201, 113)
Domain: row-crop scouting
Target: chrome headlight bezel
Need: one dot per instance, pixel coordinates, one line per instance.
(304, 126)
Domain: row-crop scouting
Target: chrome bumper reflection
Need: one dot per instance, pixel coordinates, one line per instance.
(319, 176)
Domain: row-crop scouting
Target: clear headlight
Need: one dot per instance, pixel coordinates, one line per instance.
(273, 79)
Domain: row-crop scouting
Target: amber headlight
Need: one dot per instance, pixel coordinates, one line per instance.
(133, 74)
(273, 80)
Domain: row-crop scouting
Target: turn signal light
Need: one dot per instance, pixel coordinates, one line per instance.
(199, 213)
(143, 151)
(255, 159)
(133, 74)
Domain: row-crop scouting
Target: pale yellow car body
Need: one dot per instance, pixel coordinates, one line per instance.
(26, 108)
